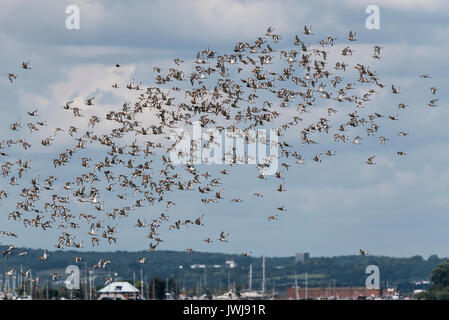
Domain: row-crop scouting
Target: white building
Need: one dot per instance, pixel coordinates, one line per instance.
(231, 263)
(119, 291)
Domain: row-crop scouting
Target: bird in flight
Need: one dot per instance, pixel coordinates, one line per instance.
(44, 256)
(142, 260)
(370, 160)
(114, 163)
(12, 77)
(307, 30)
(352, 37)
(26, 65)
(432, 103)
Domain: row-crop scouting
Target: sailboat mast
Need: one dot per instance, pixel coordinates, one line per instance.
(263, 275)
(296, 287)
(250, 276)
(141, 283)
(306, 285)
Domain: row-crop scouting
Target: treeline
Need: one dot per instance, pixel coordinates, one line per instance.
(176, 267)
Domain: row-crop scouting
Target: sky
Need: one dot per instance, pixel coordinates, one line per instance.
(399, 207)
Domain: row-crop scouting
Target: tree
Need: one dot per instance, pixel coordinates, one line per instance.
(433, 259)
(440, 275)
(440, 287)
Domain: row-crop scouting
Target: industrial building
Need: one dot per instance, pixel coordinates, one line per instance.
(340, 293)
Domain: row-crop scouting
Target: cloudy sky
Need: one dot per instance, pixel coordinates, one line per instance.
(400, 207)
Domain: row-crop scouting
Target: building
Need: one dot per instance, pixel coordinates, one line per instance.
(301, 256)
(340, 293)
(119, 291)
(231, 263)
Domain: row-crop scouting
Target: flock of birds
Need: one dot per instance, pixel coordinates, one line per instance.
(251, 87)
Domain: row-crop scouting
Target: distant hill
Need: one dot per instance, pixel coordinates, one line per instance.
(279, 271)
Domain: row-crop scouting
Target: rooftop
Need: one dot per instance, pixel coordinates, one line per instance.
(119, 287)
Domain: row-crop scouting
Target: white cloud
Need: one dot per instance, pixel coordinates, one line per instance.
(407, 5)
(345, 191)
